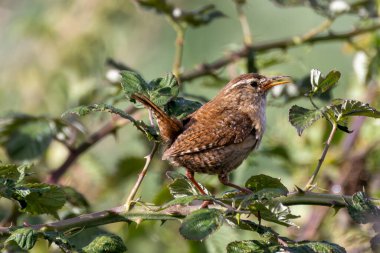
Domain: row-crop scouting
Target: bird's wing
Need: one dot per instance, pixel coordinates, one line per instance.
(204, 133)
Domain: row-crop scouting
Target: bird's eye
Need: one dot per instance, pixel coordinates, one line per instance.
(254, 84)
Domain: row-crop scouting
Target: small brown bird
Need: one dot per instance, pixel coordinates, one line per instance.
(217, 137)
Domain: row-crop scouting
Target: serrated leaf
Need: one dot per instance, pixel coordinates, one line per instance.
(273, 211)
(162, 90)
(158, 5)
(75, 198)
(25, 137)
(200, 17)
(13, 171)
(25, 238)
(132, 82)
(39, 198)
(173, 174)
(252, 246)
(301, 118)
(59, 239)
(180, 107)
(321, 84)
(185, 200)
(342, 108)
(86, 109)
(106, 243)
(181, 188)
(250, 226)
(201, 223)
(361, 209)
(315, 247)
(265, 186)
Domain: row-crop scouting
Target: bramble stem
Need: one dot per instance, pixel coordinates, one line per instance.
(311, 181)
(209, 68)
(141, 176)
(244, 25)
(138, 213)
(247, 37)
(313, 32)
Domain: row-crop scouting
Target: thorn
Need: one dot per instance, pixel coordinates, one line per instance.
(298, 189)
(336, 209)
(138, 221)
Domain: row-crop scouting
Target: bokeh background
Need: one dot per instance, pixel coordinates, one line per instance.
(53, 58)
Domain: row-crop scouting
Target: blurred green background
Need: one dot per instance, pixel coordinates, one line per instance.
(54, 57)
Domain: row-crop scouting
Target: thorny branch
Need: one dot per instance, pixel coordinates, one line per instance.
(139, 213)
(209, 68)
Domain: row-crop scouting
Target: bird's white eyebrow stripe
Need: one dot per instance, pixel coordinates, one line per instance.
(245, 81)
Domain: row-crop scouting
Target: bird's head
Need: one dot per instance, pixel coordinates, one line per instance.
(257, 83)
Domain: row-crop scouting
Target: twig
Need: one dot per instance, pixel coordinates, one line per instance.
(313, 32)
(179, 43)
(107, 129)
(209, 68)
(141, 176)
(311, 181)
(247, 37)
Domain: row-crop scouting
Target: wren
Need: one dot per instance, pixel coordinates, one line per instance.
(217, 137)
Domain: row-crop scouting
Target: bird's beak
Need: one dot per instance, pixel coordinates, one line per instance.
(277, 80)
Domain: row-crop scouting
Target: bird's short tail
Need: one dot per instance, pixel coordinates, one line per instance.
(169, 127)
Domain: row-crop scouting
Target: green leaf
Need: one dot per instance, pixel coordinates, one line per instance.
(185, 200)
(362, 210)
(301, 118)
(13, 171)
(201, 223)
(255, 246)
(272, 210)
(342, 108)
(161, 6)
(132, 82)
(251, 226)
(321, 84)
(86, 109)
(106, 243)
(180, 107)
(252, 246)
(193, 18)
(25, 238)
(39, 198)
(75, 198)
(25, 137)
(200, 17)
(173, 175)
(265, 186)
(162, 90)
(182, 187)
(315, 247)
(149, 131)
(59, 239)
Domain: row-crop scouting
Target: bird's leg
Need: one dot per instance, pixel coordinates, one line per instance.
(190, 176)
(223, 178)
